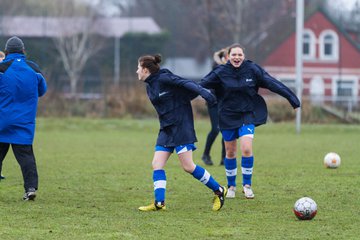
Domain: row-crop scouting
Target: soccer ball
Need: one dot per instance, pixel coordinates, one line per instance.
(332, 160)
(305, 208)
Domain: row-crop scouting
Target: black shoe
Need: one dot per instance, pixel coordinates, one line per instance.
(2, 177)
(30, 195)
(207, 159)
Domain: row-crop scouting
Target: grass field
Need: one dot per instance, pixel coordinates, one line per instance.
(94, 174)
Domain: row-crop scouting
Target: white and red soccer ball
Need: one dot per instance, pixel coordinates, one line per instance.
(332, 160)
(305, 208)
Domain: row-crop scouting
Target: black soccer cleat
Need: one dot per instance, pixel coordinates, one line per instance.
(30, 195)
(207, 160)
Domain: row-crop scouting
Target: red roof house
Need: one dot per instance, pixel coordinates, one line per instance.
(331, 61)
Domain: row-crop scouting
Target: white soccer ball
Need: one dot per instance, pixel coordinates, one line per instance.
(305, 208)
(332, 160)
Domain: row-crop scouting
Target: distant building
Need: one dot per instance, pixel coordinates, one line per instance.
(331, 60)
(56, 27)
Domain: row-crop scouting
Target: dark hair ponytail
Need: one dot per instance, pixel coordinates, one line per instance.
(151, 62)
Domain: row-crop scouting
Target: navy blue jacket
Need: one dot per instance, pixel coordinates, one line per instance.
(21, 83)
(237, 93)
(171, 96)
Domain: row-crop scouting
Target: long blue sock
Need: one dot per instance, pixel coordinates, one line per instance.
(247, 164)
(231, 171)
(204, 176)
(159, 178)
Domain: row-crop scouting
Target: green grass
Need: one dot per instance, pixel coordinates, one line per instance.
(94, 174)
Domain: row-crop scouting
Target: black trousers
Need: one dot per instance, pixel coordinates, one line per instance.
(214, 118)
(24, 154)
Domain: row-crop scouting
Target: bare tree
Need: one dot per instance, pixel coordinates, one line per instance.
(199, 27)
(77, 42)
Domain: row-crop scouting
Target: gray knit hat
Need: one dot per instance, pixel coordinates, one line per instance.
(14, 45)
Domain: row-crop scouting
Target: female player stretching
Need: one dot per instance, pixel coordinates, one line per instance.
(171, 96)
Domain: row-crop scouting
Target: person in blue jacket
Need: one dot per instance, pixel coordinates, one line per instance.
(21, 84)
(171, 97)
(241, 109)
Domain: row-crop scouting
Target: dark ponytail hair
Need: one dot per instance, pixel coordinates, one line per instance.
(151, 62)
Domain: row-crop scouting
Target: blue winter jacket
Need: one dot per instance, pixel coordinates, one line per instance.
(21, 83)
(237, 93)
(171, 97)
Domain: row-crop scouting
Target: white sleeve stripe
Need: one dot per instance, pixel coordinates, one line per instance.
(247, 171)
(231, 172)
(205, 178)
(160, 184)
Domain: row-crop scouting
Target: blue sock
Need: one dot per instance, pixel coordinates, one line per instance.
(159, 179)
(231, 171)
(204, 176)
(247, 164)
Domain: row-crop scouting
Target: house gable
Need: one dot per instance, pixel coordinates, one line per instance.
(331, 63)
(284, 54)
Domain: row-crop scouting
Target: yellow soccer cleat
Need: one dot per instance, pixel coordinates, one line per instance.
(219, 198)
(153, 207)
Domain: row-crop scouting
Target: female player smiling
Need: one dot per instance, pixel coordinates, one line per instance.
(241, 108)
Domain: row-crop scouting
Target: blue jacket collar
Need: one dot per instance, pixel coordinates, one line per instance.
(153, 76)
(12, 56)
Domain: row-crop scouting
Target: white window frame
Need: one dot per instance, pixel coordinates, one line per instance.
(335, 46)
(312, 42)
(350, 78)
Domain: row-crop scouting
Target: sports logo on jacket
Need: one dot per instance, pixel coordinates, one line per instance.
(162, 93)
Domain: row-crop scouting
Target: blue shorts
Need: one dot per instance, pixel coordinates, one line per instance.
(232, 134)
(179, 149)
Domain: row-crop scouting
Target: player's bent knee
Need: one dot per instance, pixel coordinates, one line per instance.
(230, 154)
(246, 152)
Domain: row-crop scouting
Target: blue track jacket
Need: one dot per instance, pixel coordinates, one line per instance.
(21, 83)
(236, 90)
(171, 97)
